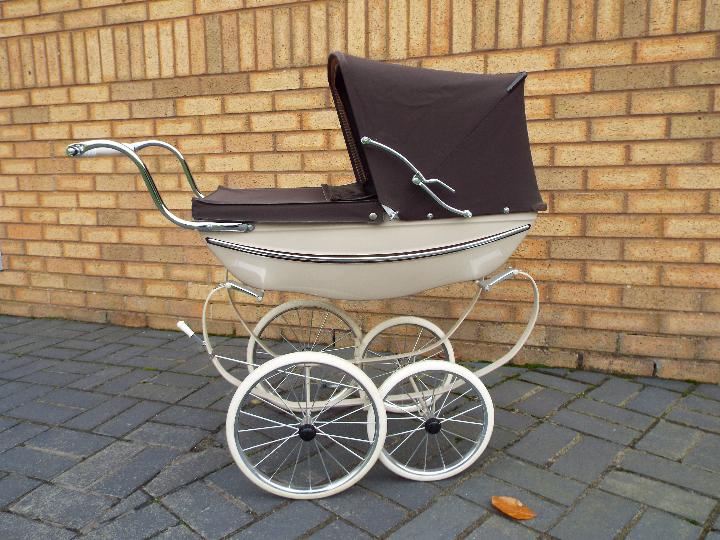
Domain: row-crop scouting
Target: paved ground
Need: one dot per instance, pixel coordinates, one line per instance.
(116, 432)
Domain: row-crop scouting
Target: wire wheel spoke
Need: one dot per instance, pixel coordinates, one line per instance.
(315, 451)
(424, 443)
(401, 342)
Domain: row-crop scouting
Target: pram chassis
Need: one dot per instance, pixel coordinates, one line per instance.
(392, 401)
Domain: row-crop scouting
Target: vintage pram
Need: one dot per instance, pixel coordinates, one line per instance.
(320, 401)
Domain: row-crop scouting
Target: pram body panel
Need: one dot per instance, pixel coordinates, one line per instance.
(368, 262)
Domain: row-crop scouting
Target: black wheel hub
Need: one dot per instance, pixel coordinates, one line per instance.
(433, 426)
(307, 432)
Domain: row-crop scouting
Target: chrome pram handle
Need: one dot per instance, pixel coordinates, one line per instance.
(418, 178)
(105, 147)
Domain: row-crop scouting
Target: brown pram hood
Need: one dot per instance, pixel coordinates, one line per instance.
(465, 129)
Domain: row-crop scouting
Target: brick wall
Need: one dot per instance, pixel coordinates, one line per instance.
(623, 104)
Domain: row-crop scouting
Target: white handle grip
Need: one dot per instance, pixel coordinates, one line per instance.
(101, 152)
(185, 329)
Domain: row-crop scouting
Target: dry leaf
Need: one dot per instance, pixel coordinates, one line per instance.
(510, 506)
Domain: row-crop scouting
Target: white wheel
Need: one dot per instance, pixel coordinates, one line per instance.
(299, 325)
(298, 450)
(400, 335)
(440, 419)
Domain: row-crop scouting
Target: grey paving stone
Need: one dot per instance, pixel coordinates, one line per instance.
(34, 463)
(206, 511)
(68, 441)
(178, 532)
(446, 518)
(10, 361)
(656, 524)
(44, 412)
(411, 495)
(706, 453)
(595, 426)
(230, 480)
(208, 394)
(99, 377)
(187, 468)
(587, 459)
(181, 437)
(92, 469)
(9, 388)
(20, 528)
(658, 495)
(543, 402)
(652, 400)
(56, 352)
(672, 472)
(101, 353)
(589, 377)
(51, 377)
(611, 413)
(150, 362)
(675, 386)
(148, 390)
(143, 466)
(122, 383)
(181, 380)
(73, 509)
(711, 391)
(542, 443)
(81, 344)
(18, 434)
(558, 383)
(338, 529)
(615, 391)
(102, 413)
(505, 393)
(598, 516)
(513, 421)
(127, 504)
(23, 396)
(695, 419)
(142, 523)
(121, 356)
(292, 521)
(700, 404)
(543, 482)
(365, 510)
(480, 489)
(29, 366)
(7, 423)
(497, 528)
(129, 419)
(13, 486)
(143, 340)
(668, 440)
(191, 416)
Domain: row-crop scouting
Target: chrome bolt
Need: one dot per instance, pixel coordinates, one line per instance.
(372, 216)
(506, 210)
(430, 216)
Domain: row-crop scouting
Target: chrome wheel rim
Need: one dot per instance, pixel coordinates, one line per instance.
(438, 422)
(301, 449)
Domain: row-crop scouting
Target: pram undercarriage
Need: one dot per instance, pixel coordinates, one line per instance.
(318, 400)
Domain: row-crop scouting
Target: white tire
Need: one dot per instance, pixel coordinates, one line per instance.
(432, 439)
(394, 333)
(348, 449)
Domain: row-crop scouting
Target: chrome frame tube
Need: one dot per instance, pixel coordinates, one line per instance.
(418, 178)
(169, 147)
(78, 149)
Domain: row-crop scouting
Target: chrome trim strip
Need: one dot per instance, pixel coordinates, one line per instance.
(360, 259)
